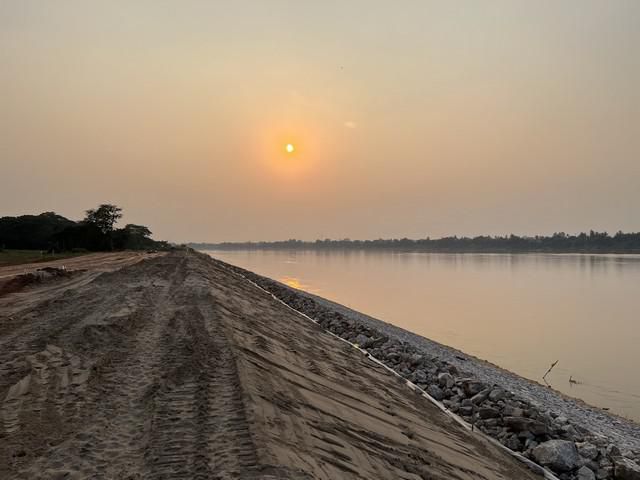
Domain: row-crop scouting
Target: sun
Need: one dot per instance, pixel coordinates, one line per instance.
(289, 148)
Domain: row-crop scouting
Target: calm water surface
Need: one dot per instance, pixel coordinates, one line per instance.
(520, 311)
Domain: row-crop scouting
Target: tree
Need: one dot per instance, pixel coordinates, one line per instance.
(104, 217)
(133, 237)
(139, 231)
(32, 231)
(83, 235)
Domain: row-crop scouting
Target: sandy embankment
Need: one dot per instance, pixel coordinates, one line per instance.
(173, 367)
(529, 418)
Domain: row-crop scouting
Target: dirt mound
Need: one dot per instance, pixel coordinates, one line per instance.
(18, 282)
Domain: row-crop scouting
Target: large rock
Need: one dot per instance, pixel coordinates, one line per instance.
(465, 411)
(415, 359)
(362, 340)
(523, 424)
(559, 455)
(419, 376)
(472, 387)
(488, 412)
(518, 424)
(613, 451)
(604, 473)
(453, 370)
(585, 473)
(393, 355)
(480, 397)
(435, 392)
(496, 394)
(513, 443)
(570, 432)
(446, 380)
(510, 411)
(626, 469)
(587, 450)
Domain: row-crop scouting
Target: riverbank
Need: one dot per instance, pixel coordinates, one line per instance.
(173, 366)
(521, 414)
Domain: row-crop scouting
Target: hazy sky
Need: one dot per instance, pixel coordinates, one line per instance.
(409, 118)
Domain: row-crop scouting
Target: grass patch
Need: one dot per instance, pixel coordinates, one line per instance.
(16, 257)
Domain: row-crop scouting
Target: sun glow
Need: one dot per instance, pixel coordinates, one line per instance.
(289, 152)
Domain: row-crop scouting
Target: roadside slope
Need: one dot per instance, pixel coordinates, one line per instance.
(176, 368)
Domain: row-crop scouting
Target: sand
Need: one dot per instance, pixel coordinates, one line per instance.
(170, 366)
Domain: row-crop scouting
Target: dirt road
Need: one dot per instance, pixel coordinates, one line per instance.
(173, 367)
(97, 262)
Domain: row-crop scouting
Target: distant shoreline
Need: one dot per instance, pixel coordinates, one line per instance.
(586, 243)
(238, 247)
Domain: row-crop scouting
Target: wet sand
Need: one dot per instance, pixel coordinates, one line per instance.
(174, 367)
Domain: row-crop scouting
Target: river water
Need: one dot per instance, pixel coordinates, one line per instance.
(519, 311)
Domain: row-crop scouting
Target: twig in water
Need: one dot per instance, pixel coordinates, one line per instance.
(544, 377)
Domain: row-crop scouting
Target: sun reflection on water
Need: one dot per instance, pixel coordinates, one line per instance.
(296, 283)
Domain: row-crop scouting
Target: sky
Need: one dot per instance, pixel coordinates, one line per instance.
(409, 119)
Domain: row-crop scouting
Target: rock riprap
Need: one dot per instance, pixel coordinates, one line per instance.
(559, 455)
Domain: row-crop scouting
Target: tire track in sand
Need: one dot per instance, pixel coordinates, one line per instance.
(164, 391)
(199, 427)
(123, 345)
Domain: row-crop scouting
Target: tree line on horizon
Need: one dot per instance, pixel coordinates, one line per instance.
(596, 242)
(96, 232)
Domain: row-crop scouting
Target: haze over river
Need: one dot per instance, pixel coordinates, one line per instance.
(519, 311)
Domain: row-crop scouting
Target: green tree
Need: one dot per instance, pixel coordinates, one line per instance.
(104, 217)
(136, 236)
(137, 230)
